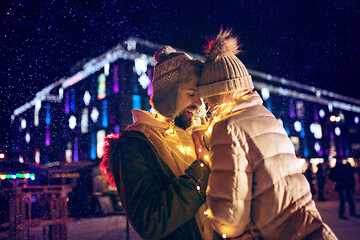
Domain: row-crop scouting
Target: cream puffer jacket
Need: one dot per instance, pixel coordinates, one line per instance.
(256, 187)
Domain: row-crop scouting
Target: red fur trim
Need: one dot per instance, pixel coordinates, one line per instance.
(106, 165)
(224, 44)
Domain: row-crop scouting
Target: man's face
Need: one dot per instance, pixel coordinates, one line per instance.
(189, 101)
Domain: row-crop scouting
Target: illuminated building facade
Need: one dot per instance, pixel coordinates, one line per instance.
(68, 120)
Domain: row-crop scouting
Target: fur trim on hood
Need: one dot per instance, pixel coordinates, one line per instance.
(110, 149)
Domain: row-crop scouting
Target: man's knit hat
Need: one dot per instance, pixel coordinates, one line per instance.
(223, 72)
(173, 70)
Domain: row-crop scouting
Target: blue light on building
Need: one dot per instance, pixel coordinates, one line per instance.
(105, 114)
(136, 101)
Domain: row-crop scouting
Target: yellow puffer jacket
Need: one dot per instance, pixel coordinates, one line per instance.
(256, 188)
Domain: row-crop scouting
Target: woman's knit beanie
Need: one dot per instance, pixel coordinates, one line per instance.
(223, 72)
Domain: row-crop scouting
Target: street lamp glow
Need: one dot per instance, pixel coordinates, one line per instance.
(2, 155)
(332, 118)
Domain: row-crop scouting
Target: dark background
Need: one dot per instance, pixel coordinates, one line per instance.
(311, 42)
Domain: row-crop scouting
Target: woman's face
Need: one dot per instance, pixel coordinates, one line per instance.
(213, 101)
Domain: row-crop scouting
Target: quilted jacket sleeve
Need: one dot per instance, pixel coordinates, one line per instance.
(156, 202)
(230, 207)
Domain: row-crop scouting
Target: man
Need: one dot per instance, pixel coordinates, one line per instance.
(256, 188)
(321, 180)
(343, 175)
(152, 163)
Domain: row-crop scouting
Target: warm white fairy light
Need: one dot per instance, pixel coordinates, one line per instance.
(87, 98)
(68, 155)
(210, 129)
(72, 122)
(356, 119)
(94, 114)
(297, 126)
(37, 156)
(36, 114)
(265, 93)
(330, 106)
(315, 128)
(23, 123)
(224, 235)
(140, 64)
(100, 135)
(106, 68)
(337, 131)
(182, 149)
(144, 80)
(169, 131)
(342, 116)
(27, 137)
(332, 118)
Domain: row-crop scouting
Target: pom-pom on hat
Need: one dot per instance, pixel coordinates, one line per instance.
(173, 69)
(223, 72)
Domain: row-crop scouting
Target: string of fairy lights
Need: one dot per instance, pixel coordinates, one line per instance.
(30, 176)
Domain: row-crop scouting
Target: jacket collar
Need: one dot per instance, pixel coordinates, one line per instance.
(154, 120)
(248, 100)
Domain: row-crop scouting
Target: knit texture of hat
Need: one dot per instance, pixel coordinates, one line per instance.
(223, 72)
(166, 79)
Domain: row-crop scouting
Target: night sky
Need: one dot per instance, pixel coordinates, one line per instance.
(311, 42)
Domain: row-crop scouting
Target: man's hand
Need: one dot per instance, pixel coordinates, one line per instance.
(201, 152)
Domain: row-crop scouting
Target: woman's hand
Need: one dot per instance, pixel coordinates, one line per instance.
(201, 152)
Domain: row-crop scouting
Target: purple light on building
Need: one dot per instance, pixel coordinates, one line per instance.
(292, 108)
(67, 102)
(76, 150)
(116, 79)
(332, 135)
(149, 92)
(149, 89)
(316, 114)
(320, 151)
(47, 135)
(117, 129)
(341, 150)
(112, 118)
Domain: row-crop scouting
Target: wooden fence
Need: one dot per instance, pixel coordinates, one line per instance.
(38, 206)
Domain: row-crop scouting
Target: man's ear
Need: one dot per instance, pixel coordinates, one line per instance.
(165, 101)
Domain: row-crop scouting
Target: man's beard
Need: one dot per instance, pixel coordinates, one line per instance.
(183, 121)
